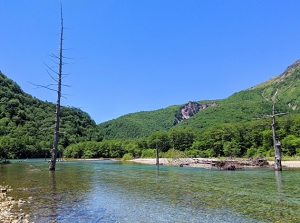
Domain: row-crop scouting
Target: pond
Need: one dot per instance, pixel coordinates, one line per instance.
(112, 191)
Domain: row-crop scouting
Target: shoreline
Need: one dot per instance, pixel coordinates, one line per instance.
(207, 162)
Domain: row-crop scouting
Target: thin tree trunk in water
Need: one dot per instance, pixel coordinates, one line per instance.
(157, 155)
(57, 112)
(276, 144)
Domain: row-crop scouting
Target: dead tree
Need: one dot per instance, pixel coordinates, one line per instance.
(276, 142)
(58, 83)
(57, 111)
(156, 154)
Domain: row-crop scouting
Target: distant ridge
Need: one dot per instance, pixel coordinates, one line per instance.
(241, 106)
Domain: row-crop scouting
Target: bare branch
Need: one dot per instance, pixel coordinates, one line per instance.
(53, 56)
(51, 69)
(278, 114)
(53, 78)
(46, 87)
(263, 124)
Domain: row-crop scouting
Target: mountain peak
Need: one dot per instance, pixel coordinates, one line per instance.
(290, 69)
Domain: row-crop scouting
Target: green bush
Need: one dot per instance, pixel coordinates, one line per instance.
(261, 152)
(251, 152)
(88, 154)
(207, 153)
(231, 148)
(172, 153)
(148, 153)
(193, 153)
(127, 156)
(270, 153)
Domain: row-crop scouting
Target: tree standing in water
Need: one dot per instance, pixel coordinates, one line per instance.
(276, 142)
(57, 111)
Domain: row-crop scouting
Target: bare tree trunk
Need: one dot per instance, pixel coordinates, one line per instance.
(57, 112)
(276, 144)
(156, 154)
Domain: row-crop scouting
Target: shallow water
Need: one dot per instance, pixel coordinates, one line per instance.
(109, 191)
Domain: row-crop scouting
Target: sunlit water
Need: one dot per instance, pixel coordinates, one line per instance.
(110, 191)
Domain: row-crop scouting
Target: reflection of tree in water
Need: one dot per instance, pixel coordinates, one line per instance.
(278, 175)
(157, 171)
(52, 198)
(280, 193)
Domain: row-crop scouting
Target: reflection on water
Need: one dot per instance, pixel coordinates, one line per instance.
(280, 194)
(278, 175)
(106, 191)
(52, 200)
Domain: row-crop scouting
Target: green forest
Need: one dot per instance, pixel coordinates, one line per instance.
(245, 139)
(238, 126)
(27, 124)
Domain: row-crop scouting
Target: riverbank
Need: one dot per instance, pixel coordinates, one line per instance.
(214, 162)
(288, 164)
(8, 205)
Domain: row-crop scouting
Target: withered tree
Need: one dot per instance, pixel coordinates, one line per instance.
(276, 142)
(58, 82)
(54, 150)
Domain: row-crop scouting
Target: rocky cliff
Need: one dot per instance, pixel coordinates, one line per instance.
(190, 109)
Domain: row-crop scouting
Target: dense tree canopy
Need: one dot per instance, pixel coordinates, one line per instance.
(245, 139)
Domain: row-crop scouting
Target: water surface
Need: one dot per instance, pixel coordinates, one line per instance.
(110, 191)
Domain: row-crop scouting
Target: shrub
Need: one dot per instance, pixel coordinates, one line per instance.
(251, 152)
(127, 156)
(193, 153)
(270, 153)
(207, 153)
(173, 153)
(261, 152)
(148, 153)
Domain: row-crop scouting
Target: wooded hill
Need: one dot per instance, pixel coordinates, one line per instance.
(242, 106)
(26, 124)
(234, 126)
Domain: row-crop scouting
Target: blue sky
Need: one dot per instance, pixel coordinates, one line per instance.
(142, 55)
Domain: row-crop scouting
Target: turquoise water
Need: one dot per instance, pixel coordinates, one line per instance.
(110, 191)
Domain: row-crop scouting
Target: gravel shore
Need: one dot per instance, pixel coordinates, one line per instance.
(10, 209)
(204, 162)
(289, 164)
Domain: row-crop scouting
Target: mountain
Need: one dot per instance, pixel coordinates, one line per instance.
(27, 124)
(242, 106)
(144, 123)
(203, 128)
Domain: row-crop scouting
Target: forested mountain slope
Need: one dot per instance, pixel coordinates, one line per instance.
(141, 124)
(242, 106)
(208, 128)
(26, 123)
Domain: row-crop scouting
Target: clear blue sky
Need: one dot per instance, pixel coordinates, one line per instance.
(142, 55)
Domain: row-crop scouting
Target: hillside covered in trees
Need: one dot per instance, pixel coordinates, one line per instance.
(26, 124)
(235, 126)
(242, 106)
